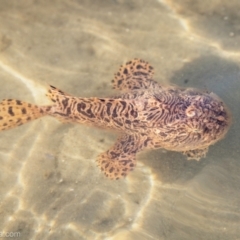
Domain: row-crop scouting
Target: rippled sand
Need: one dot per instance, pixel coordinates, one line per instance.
(50, 185)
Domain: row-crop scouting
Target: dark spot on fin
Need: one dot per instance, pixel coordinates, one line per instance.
(10, 111)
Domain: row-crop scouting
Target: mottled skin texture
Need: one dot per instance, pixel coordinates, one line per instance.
(148, 115)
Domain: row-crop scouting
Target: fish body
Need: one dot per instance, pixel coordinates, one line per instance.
(148, 115)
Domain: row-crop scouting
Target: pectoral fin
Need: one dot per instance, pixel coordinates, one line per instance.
(118, 161)
(135, 74)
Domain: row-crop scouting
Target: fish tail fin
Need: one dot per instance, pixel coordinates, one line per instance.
(14, 113)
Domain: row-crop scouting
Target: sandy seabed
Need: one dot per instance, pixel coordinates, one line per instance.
(50, 185)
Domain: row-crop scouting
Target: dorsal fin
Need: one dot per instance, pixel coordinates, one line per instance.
(54, 93)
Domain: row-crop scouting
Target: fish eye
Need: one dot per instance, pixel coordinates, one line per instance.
(190, 112)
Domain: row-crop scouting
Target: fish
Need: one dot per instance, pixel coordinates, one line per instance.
(147, 115)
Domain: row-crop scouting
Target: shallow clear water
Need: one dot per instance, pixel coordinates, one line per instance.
(50, 186)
